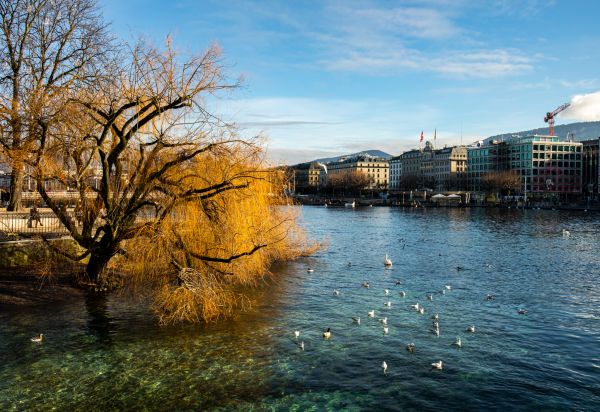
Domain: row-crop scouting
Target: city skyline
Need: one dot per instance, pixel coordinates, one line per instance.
(327, 78)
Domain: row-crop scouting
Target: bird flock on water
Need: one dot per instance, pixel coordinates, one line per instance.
(416, 307)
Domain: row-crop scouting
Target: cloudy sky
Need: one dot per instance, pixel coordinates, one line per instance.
(340, 76)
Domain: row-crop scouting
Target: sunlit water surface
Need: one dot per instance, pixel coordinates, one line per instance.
(111, 355)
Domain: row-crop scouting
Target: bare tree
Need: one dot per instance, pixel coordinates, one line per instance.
(47, 48)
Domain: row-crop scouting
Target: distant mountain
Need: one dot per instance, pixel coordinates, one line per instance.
(579, 131)
(377, 153)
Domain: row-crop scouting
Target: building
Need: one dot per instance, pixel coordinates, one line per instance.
(375, 168)
(308, 177)
(545, 165)
(436, 169)
(395, 164)
(590, 168)
(450, 168)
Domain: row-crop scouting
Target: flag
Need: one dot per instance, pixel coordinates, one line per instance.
(421, 135)
(434, 133)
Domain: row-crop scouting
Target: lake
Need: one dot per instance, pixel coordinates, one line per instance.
(109, 354)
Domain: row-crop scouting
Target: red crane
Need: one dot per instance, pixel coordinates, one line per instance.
(549, 118)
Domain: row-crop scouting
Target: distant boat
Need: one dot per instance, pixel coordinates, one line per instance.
(353, 204)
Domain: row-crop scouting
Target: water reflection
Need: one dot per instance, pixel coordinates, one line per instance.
(99, 323)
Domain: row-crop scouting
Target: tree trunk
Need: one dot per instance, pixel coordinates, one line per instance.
(96, 265)
(16, 187)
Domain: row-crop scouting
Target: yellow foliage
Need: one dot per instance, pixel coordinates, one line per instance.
(203, 256)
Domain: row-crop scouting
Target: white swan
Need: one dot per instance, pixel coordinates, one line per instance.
(471, 329)
(384, 366)
(327, 334)
(437, 365)
(38, 339)
(371, 313)
(387, 261)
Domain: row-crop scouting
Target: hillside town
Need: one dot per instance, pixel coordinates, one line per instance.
(528, 170)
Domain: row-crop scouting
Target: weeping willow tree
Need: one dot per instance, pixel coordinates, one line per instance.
(210, 251)
(166, 189)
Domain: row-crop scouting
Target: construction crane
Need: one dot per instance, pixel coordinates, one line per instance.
(549, 118)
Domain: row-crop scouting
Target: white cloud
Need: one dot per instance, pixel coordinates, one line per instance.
(584, 107)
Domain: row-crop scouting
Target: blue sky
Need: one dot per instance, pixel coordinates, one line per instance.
(334, 77)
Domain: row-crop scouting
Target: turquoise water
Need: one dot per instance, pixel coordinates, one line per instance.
(110, 354)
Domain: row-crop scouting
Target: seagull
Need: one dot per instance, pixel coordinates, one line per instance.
(301, 345)
(458, 342)
(443, 291)
(398, 282)
(336, 292)
(402, 293)
(436, 331)
(429, 297)
(387, 262)
(384, 321)
(489, 297)
(365, 285)
(459, 268)
(297, 334)
(384, 366)
(448, 287)
(356, 320)
(310, 270)
(565, 233)
(415, 306)
(436, 325)
(471, 329)
(327, 334)
(38, 339)
(410, 347)
(371, 313)
(385, 330)
(387, 304)
(522, 312)
(387, 292)
(421, 310)
(435, 317)
(436, 365)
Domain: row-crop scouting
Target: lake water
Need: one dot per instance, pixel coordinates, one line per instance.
(110, 354)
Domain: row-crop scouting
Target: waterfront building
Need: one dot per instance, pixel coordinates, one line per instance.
(437, 169)
(395, 164)
(545, 165)
(376, 169)
(450, 168)
(590, 166)
(308, 176)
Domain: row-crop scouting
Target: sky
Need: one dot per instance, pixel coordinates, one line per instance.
(324, 78)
